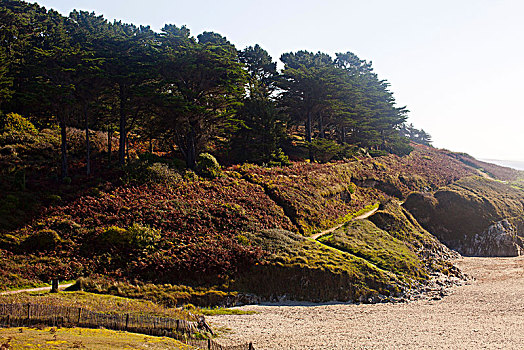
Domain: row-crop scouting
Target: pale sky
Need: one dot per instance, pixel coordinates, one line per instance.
(458, 65)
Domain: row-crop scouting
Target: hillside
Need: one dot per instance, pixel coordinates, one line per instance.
(153, 231)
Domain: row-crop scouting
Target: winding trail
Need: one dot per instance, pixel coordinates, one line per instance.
(366, 215)
(40, 289)
(488, 312)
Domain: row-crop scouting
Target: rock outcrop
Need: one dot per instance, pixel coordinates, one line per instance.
(475, 216)
(499, 239)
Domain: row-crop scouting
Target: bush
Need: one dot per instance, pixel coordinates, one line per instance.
(142, 171)
(279, 158)
(323, 150)
(143, 237)
(115, 237)
(134, 237)
(161, 173)
(377, 153)
(151, 158)
(208, 166)
(400, 147)
(42, 240)
(15, 122)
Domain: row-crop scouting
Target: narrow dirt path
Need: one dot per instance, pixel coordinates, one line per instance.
(487, 313)
(360, 217)
(40, 289)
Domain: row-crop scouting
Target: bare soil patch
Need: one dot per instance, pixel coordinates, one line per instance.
(487, 312)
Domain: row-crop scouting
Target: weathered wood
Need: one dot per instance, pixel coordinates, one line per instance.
(15, 315)
(54, 285)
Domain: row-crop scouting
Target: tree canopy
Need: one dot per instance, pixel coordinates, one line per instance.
(189, 94)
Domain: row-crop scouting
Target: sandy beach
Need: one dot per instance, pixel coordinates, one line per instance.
(487, 312)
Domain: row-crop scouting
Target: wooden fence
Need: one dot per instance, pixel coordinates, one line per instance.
(24, 315)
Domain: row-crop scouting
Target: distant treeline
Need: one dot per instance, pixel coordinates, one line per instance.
(187, 94)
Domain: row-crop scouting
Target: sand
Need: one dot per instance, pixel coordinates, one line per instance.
(487, 312)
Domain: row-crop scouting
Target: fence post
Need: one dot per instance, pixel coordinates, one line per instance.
(79, 315)
(54, 285)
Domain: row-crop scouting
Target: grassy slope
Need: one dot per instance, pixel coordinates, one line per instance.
(100, 303)
(81, 338)
(364, 239)
(303, 269)
(234, 232)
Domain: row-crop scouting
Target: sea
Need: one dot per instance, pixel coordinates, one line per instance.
(515, 164)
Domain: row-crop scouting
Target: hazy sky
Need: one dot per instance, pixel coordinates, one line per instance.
(458, 65)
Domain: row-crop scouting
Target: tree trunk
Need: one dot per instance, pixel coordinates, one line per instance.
(308, 135)
(308, 127)
(191, 150)
(122, 141)
(321, 126)
(63, 148)
(109, 143)
(343, 134)
(122, 127)
(151, 145)
(88, 143)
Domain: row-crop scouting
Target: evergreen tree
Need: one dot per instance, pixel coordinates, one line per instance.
(261, 126)
(310, 83)
(203, 84)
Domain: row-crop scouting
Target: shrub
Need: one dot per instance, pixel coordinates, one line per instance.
(324, 150)
(20, 179)
(134, 237)
(400, 148)
(15, 122)
(279, 158)
(115, 236)
(161, 173)
(151, 158)
(348, 151)
(143, 237)
(190, 175)
(377, 153)
(208, 166)
(42, 240)
(141, 171)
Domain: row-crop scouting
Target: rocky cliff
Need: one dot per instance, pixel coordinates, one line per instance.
(476, 216)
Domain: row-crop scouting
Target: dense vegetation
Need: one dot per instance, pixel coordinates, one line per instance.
(172, 92)
(302, 150)
(150, 228)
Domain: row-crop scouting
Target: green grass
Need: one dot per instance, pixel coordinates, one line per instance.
(364, 239)
(80, 338)
(97, 302)
(303, 269)
(223, 311)
(350, 216)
